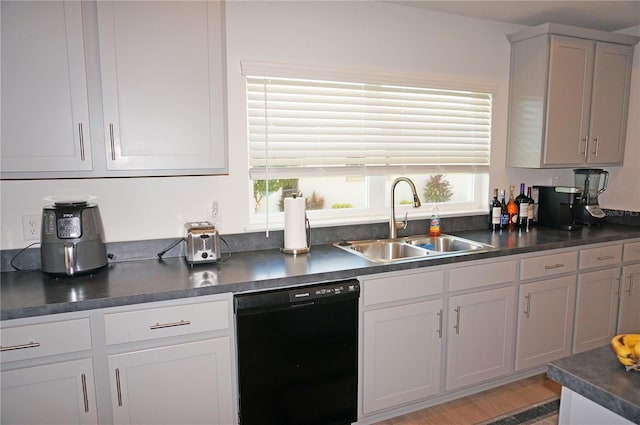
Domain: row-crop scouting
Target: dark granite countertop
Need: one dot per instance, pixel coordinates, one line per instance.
(598, 376)
(32, 293)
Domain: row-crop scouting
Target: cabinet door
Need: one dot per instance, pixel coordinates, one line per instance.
(45, 115)
(596, 309)
(629, 318)
(569, 97)
(545, 321)
(402, 351)
(610, 100)
(481, 333)
(186, 384)
(58, 393)
(163, 84)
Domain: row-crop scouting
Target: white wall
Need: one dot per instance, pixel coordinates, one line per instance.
(363, 35)
(623, 192)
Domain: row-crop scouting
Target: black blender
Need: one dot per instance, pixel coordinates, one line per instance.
(587, 210)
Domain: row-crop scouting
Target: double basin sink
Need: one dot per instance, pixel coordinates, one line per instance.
(412, 247)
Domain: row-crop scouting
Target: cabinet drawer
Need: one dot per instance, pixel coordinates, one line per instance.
(45, 339)
(165, 322)
(631, 251)
(601, 256)
(548, 265)
(482, 275)
(402, 287)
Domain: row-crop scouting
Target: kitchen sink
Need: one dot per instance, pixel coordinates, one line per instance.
(412, 247)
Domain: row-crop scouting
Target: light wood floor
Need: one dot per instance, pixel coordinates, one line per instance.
(485, 405)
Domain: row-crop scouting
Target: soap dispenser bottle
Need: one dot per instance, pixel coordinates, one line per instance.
(434, 226)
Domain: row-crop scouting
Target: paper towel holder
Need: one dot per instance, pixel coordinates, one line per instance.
(296, 251)
(303, 250)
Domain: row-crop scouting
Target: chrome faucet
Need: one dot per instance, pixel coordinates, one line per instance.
(393, 224)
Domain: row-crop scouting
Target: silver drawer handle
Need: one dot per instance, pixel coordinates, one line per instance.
(440, 323)
(81, 134)
(170, 325)
(457, 325)
(85, 394)
(113, 143)
(118, 387)
(597, 140)
(20, 346)
(527, 311)
(553, 266)
(630, 285)
(605, 257)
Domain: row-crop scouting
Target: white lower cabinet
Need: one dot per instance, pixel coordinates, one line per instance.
(172, 363)
(402, 349)
(596, 309)
(629, 315)
(47, 372)
(401, 338)
(480, 336)
(185, 383)
(56, 393)
(545, 321)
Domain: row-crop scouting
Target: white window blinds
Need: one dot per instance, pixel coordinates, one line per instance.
(305, 127)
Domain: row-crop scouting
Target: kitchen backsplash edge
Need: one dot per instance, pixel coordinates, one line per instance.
(149, 249)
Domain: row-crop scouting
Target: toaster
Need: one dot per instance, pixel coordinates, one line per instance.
(203, 243)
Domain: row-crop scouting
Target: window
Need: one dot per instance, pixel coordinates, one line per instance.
(342, 140)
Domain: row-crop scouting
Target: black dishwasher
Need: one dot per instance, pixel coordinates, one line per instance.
(298, 355)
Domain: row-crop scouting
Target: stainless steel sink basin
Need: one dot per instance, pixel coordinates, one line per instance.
(445, 243)
(411, 247)
(386, 250)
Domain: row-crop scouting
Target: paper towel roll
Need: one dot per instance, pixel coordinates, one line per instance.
(295, 236)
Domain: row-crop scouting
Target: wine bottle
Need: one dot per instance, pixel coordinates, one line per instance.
(530, 217)
(512, 209)
(496, 209)
(504, 215)
(523, 209)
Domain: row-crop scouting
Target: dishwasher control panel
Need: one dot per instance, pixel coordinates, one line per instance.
(324, 291)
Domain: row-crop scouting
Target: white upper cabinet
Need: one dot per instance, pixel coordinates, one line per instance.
(569, 97)
(45, 113)
(163, 85)
(150, 75)
(610, 101)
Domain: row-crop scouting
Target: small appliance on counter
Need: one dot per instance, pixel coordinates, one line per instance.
(556, 205)
(203, 243)
(588, 211)
(296, 226)
(72, 239)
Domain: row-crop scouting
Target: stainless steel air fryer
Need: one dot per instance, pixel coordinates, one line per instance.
(72, 239)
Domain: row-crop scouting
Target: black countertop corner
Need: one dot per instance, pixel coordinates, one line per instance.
(598, 376)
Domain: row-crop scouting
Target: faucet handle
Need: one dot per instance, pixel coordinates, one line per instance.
(403, 224)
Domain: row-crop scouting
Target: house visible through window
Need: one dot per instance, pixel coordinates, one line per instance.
(341, 142)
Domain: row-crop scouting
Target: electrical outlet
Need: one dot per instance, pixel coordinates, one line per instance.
(214, 210)
(31, 227)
